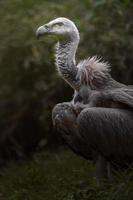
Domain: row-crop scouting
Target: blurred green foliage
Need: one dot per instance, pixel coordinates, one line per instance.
(27, 68)
(50, 177)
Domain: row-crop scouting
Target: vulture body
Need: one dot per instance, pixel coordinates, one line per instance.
(97, 123)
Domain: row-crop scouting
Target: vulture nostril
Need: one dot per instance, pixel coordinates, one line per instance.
(46, 26)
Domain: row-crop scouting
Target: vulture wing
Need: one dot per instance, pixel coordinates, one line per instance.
(121, 97)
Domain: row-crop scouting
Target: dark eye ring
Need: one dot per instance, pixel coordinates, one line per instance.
(60, 23)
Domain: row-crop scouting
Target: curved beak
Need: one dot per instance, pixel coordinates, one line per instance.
(41, 31)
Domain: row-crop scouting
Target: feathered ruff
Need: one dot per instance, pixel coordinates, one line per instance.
(94, 72)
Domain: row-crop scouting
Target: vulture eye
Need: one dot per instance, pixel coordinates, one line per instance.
(58, 25)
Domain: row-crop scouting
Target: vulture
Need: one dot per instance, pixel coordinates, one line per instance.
(98, 123)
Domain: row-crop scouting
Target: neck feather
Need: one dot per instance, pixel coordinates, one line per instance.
(65, 53)
(65, 60)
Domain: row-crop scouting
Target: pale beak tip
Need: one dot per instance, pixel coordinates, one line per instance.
(37, 34)
(40, 31)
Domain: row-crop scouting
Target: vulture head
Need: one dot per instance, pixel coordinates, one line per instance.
(61, 27)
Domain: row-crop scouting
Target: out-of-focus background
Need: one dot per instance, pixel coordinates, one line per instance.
(30, 87)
